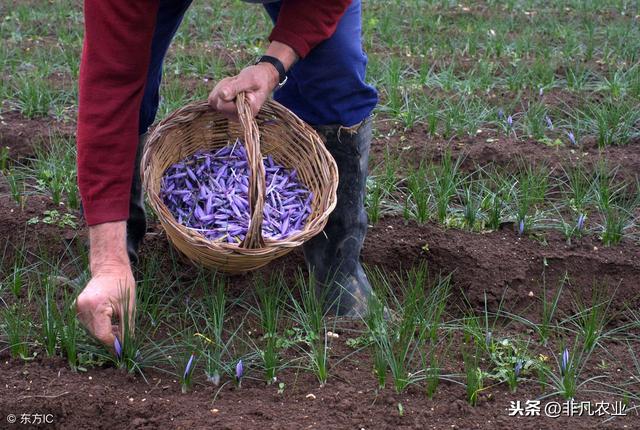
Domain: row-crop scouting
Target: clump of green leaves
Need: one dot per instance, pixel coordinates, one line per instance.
(53, 217)
(309, 314)
(397, 342)
(18, 329)
(270, 307)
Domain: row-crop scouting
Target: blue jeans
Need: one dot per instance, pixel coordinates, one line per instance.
(327, 87)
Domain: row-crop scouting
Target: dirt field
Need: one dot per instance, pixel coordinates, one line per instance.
(503, 281)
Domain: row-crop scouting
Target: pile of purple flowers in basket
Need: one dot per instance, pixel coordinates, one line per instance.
(208, 192)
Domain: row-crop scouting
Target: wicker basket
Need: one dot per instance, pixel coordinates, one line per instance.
(275, 131)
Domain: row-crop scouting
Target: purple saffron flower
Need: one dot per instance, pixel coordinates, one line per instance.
(518, 368)
(581, 220)
(239, 371)
(117, 347)
(572, 138)
(487, 339)
(541, 92)
(510, 121)
(500, 114)
(521, 227)
(549, 123)
(564, 364)
(187, 369)
(217, 205)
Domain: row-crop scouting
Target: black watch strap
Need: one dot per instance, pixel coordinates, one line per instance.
(282, 79)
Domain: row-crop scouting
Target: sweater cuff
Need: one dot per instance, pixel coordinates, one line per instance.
(106, 210)
(292, 39)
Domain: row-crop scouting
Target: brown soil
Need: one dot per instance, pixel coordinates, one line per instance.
(500, 263)
(416, 144)
(109, 398)
(22, 135)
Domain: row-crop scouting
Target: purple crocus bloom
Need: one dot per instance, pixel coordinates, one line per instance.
(541, 92)
(187, 369)
(518, 368)
(572, 138)
(117, 347)
(549, 123)
(521, 227)
(239, 371)
(564, 363)
(510, 120)
(500, 114)
(487, 339)
(581, 220)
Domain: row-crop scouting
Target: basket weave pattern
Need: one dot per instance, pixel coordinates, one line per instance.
(275, 131)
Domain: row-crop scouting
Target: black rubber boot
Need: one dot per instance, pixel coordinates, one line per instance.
(333, 255)
(137, 222)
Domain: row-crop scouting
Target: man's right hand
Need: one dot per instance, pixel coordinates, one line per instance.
(111, 286)
(104, 298)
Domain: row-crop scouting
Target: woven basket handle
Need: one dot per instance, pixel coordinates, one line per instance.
(257, 179)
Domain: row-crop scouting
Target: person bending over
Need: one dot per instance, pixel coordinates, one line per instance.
(315, 44)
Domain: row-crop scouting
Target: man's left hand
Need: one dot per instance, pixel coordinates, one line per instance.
(257, 81)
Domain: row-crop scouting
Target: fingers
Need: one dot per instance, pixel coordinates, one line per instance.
(100, 302)
(102, 325)
(254, 81)
(125, 307)
(96, 317)
(229, 89)
(222, 98)
(254, 103)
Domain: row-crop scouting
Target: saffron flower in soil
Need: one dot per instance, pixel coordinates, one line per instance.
(518, 368)
(209, 193)
(510, 121)
(580, 223)
(564, 363)
(117, 347)
(187, 369)
(188, 372)
(521, 227)
(572, 138)
(239, 372)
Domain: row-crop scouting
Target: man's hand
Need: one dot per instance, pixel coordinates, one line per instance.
(104, 298)
(257, 81)
(112, 286)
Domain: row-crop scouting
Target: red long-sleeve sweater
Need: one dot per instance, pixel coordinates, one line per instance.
(113, 72)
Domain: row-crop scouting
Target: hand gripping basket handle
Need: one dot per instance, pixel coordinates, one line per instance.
(257, 180)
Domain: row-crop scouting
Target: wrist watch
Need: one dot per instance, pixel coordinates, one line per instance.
(282, 79)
